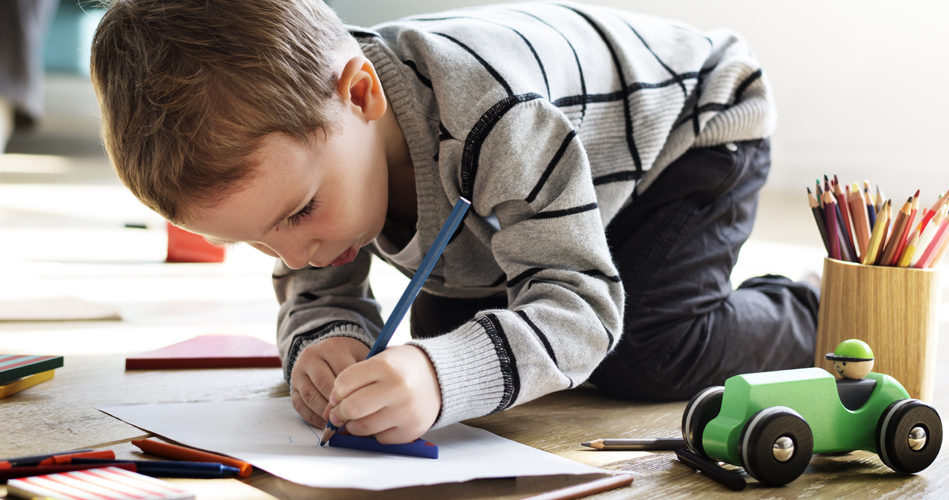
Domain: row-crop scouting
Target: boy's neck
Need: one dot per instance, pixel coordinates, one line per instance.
(403, 199)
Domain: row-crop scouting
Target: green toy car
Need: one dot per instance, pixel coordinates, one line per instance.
(771, 423)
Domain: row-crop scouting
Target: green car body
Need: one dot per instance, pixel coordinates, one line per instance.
(812, 392)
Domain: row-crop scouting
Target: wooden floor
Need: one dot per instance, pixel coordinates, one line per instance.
(62, 216)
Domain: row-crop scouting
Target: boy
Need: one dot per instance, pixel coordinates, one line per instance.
(583, 137)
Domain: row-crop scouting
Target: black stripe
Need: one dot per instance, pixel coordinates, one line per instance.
(583, 82)
(425, 81)
(477, 135)
(630, 142)
(523, 276)
(596, 272)
(309, 296)
(488, 67)
(512, 381)
(526, 41)
(498, 282)
(550, 167)
(541, 336)
(695, 108)
(628, 175)
(744, 85)
(364, 34)
(609, 336)
(553, 214)
(297, 344)
(675, 75)
(443, 133)
(620, 94)
(705, 108)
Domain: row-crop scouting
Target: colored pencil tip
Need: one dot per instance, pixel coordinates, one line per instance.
(809, 191)
(917, 194)
(587, 444)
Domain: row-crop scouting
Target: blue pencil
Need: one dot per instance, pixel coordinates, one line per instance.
(411, 291)
(164, 468)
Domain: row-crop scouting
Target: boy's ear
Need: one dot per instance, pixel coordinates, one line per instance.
(359, 87)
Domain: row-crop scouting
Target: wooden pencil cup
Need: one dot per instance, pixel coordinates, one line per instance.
(893, 309)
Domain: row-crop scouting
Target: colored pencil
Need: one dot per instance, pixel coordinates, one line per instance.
(871, 210)
(164, 468)
(879, 199)
(904, 235)
(878, 235)
(926, 237)
(847, 250)
(861, 222)
(844, 207)
(39, 470)
(586, 489)
(36, 459)
(175, 452)
(412, 290)
(889, 252)
(818, 218)
(67, 458)
(711, 469)
(830, 219)
(909, 249)
(636, 444)
(940, 251)
(943, 198)
(930, 252)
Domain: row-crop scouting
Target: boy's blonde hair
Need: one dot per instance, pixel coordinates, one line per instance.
(188, 88)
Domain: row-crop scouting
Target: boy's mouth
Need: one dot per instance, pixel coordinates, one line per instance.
(346, 257)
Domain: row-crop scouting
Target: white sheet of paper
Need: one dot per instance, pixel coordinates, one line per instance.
(269, 434)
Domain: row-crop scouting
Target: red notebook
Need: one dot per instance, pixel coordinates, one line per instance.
(209, 351)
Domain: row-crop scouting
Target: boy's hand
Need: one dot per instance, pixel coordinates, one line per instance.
(315, 371)
(394, 396)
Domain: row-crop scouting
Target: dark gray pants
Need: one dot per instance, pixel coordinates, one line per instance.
(675, 246)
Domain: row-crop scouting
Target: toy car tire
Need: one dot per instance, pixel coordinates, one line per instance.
(757, 445)
(893, 435)
(702, 408)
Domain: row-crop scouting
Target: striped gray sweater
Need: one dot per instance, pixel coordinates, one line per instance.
(549, 118)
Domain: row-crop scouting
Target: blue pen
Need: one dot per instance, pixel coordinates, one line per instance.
(165, 468)
(415, 285)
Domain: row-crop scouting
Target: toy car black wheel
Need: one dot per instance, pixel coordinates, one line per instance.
(703, 407)
(776, 445)
(909, 436)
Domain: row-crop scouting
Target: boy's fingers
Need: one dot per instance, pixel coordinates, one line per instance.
(366, 401)
(307, 401)
(373, 424)
(361, 375)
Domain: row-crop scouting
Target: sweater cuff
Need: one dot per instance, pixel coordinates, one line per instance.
(469, 373)
(304, 340)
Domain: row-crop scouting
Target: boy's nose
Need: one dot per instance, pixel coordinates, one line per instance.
(295, 256)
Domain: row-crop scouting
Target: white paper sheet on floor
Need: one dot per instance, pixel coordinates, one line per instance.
(269, 434)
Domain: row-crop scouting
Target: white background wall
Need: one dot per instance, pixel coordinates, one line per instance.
(859, 84)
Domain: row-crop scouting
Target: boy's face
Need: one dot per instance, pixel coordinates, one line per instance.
(315, 203)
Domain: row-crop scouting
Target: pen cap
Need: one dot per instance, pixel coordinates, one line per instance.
(893, 309)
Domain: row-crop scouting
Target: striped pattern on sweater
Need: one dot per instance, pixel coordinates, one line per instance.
(549, 118)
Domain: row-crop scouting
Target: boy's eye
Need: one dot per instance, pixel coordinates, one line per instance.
(304, 212)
